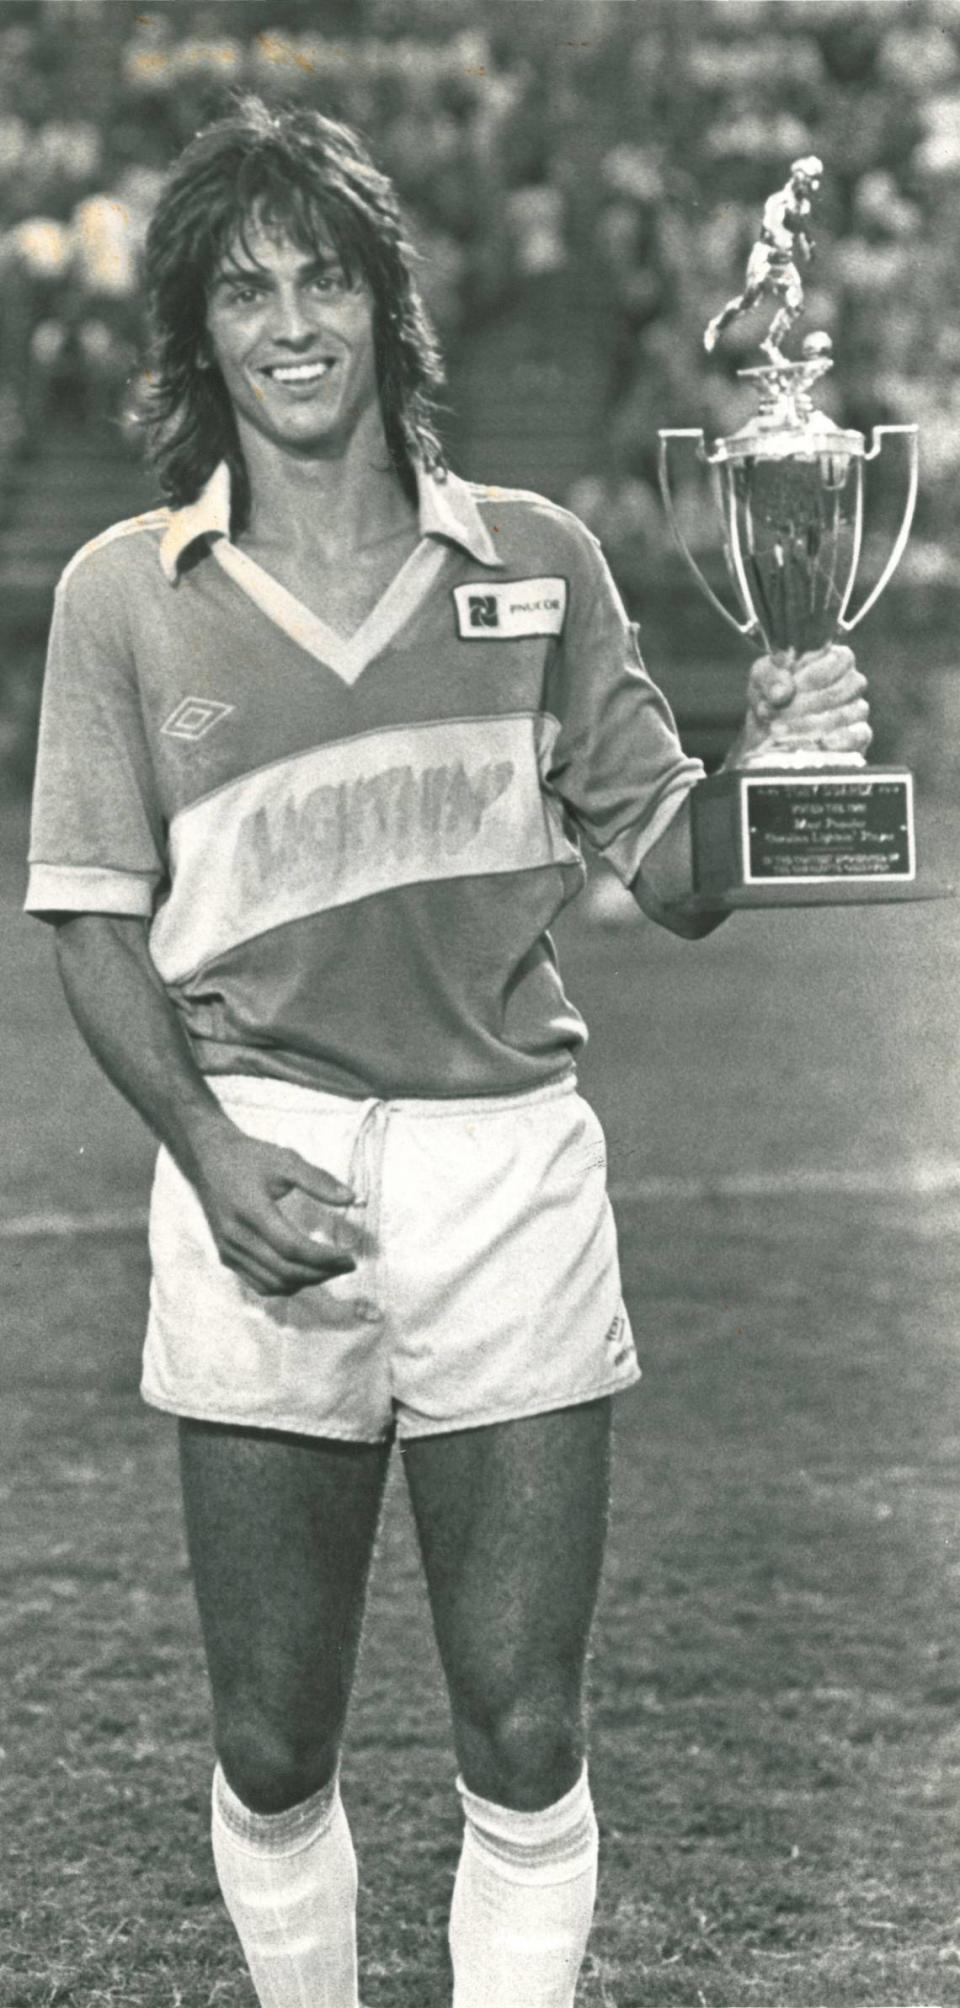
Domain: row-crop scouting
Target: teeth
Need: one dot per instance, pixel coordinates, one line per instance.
(299, 372)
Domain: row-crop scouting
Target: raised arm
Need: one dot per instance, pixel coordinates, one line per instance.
(132, 1029)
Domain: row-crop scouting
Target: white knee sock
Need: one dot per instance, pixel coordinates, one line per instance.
(289, 1881)
(523, 1901)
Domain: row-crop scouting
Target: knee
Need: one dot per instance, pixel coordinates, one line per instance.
(272, 1769)
(526, 1753)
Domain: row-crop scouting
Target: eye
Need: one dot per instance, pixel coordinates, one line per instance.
(235, 294)
(332, 280)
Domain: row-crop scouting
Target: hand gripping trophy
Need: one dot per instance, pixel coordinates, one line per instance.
(808, 827)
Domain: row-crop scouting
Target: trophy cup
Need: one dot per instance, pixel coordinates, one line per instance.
(807, 827)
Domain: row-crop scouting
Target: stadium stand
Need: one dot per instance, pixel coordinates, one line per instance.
(583, 180)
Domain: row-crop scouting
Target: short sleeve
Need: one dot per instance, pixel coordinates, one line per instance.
(96, 834)
(617, 763)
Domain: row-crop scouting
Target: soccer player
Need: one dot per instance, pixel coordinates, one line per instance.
(318, 743)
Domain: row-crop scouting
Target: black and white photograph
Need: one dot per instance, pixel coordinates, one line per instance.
(479, 829)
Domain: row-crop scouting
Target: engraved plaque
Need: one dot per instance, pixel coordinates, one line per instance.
(856, 826)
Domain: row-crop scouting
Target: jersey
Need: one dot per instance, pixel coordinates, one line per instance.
(350, 852)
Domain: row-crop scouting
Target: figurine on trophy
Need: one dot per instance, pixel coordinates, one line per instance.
(772, 267)
(802, 825)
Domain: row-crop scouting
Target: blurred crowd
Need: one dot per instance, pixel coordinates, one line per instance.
(604, 156)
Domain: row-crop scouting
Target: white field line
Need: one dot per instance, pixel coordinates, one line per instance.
(923, 1180)
(40, 1226)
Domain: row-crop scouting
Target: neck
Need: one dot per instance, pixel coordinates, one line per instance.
(339, 499)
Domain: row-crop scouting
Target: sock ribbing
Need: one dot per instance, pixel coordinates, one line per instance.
(274, 1833)
(547, 1846)
(523, 1901)
(289, 1882)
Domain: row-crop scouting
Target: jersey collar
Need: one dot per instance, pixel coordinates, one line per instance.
(448, 509)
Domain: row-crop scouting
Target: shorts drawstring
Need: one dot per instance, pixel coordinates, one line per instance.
(354, 1226)
(358, 1177)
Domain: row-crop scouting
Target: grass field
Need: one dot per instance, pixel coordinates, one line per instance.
(776, 1676)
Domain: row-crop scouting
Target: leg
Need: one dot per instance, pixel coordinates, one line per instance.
(731, 312)
(789, 291)
(281, 1531)
(511, 1521)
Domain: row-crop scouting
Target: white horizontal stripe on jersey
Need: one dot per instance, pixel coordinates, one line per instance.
(460, 798)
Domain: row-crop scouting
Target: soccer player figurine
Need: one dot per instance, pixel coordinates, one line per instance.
(319, 740)
(772, 267)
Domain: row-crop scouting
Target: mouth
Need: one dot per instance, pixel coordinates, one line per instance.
(300, 373)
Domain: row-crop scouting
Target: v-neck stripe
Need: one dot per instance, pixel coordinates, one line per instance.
(346, 656)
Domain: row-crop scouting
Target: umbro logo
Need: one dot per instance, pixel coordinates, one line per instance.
(193, 717)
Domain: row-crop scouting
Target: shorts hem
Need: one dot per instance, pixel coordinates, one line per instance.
(291, 1425)
(445, 1426)
(511, 1413)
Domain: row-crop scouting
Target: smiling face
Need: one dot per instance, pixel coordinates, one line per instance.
(293, 340)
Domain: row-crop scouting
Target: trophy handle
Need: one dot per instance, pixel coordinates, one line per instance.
(747, 627)
(909, 433)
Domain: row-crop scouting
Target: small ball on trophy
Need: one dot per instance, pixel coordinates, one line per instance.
(817, 345)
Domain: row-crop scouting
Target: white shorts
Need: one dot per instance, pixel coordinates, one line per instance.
(487, 1285)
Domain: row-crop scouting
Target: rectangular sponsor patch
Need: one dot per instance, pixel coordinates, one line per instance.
(506, 611)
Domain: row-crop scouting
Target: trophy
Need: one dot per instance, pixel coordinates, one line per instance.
(805, 827)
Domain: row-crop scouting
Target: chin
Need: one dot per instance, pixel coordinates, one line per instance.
(303, 437)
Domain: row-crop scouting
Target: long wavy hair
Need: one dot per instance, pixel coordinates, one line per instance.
(311, 179)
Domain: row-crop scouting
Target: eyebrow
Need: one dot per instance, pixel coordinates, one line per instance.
(256, 275)
(238, 275)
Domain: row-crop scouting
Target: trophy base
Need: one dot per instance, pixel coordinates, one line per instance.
(777, 836)
(761, 898)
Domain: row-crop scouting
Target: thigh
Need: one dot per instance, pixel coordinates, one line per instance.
(512, 1520)
(280, 1531)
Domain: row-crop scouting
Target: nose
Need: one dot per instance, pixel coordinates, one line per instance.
(294, 324)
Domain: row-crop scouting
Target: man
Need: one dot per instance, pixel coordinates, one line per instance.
(316, 746)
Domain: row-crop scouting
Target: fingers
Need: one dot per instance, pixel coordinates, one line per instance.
(268, 1283)
(279, 1263)
(776, 681)
(845, 731)
(297, 1250)
(825, 667)
(267, 1280)
(319, 1184)
(288, 1258)
(772, 684)
(252, 1194)
(826, 662)
(278, 1252)
(814, 700)
(801, 722)
(294, 1258)
(836, 696)
(287, 1283)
